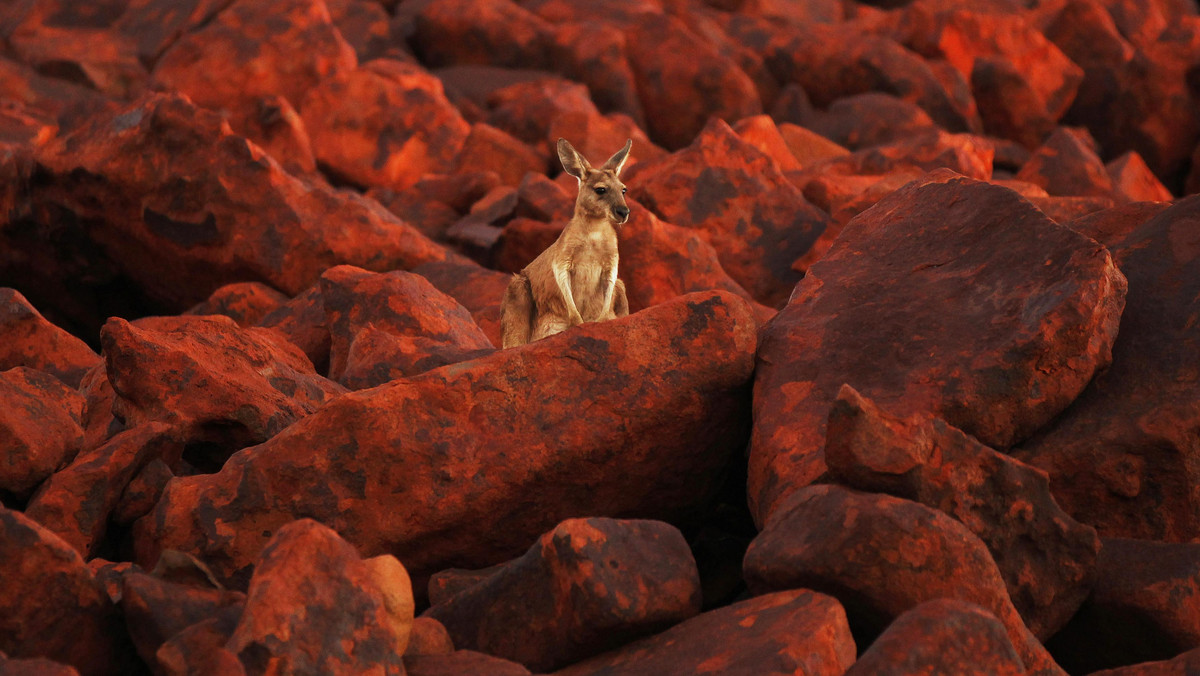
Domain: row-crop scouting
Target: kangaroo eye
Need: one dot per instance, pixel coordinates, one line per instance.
(601, 190)
(624, 190)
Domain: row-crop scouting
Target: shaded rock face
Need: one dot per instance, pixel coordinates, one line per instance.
(1122, 457)
(787, 632)
(665, 388)
(586, 586)
(944, 636)
(170, 205)
(39, 428)
(889, 312)
(1047, 558)
(32, 558)
(156, 610)
(847, 544)
(1143, 607)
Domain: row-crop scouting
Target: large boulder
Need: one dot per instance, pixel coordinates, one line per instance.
(28, 339)
(949, 296)
(421, 469)
(39, 428)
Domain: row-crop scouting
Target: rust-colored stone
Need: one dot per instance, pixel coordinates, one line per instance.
(487, 32)
(1067, 165)
(869, 119)
(761, 132)
(787, 632)
(997, 357)
(584, 587)
(244, 302)
(46, 583)
(808, 146)
(386, 124)
(476, 288)
(1134, 182)
(419, 468)
(1047, 559)
(301, 321)
(314, 606)
(39, 428)
(1184, 665)
(391, 325)
(751, 214)
(199, 650)
(142, 492)
(428, 637)
(34, 666)
(221, 387)
(487, 148)
(1122, 457)
(156, 610)
(462, 662)
(943, 636)
(28, 339)
(881, 556)
(1110, 226)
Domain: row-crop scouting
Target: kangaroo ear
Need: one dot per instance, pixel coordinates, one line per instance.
(572, 161)
(616, 162)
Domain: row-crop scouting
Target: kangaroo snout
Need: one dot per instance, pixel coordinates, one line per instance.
(621, 212)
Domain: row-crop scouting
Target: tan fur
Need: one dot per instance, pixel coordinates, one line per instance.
(575, 279)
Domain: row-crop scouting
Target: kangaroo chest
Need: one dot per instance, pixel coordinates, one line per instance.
(592, 261)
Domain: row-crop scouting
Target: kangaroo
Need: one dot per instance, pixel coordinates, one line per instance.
(575, 279)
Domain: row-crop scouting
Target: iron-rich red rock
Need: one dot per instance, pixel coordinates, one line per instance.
(250, 51)
(445, 584)
(365, 24)
(761, 132)
(1067, 165)
(1110, 226)
(75, 503)
(869, 119)
(493, 32)
(476, 288)
(967, 154)
(527, 109)
(1134, 182)
(244, 302)
(594, 53)
(176, 206)
(391, 325)
(487, 148)
(462, 662)
(274, 125)
(156, 610)
(46, 583)
(35, 666)
(1066, 209)
(881, 556)
(39, 428)
(1183, 665)
(587, 586)
(1047, 559)
(219, 386)
(787, 632)
(428, 637)
(522, 239)
(314, 606)
(751, 214)
(888, 312)
(1145, 607)
(386, 124)
(666, 396)
(142, 492)
(943, 636)
(808, 146)
(301, 321)
(28, 339)
(1121, 457)
(200, 649)
(682, 81)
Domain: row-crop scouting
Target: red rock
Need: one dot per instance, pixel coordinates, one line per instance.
(36, 666)
(50, 98)
(808, 146)
(1067, 164)
(1047, 559)
(445, 584)
(1110, 226)
(302, 322)
(142, 492)
(252, 50)
(881, 556)
(462, 662)
(788, 632)
(1120, 457)
(274, 125)
(967, 154)
(681, 366)
(1145, 607)
(1066, 209)
(156, 610)
(527, 109)
(200, 650)
(487, 148)
(365, 24)
(1187, 663)
(99, 424)
(75, 503)
(594, 53)
(220, 387)
(177, 206)
(943, 636)
(244, 302)
(540, 198)
(475, 288)
(893, 282)
(584, 587)
(386, 124)
(492, 32)
(314, 606)
(46, 581)
(752, 215)
(28, 339)
(1134, 182)
(39, 428)
(428, 637)
(1009, 105)
(761, 132)
(392, 325)
(595, 135)
(683, 81)
(869, 119)
(522, 240)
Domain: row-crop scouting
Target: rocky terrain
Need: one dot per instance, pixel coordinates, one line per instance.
(911, 382)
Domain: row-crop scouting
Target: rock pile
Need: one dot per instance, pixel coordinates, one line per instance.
(911, 364)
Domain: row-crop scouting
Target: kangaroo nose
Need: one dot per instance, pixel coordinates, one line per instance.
(622, 212)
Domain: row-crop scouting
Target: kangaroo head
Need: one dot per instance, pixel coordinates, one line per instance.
(601, 192)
